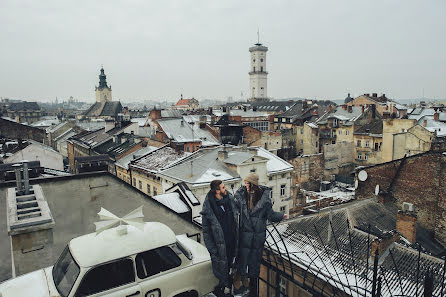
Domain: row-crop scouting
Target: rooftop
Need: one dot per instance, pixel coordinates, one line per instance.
(201, 167)
(179, 130)
(74, 202)
(125, 161)
(158, 159)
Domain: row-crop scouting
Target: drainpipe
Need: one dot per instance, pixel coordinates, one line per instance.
(18, 177)
(25, 176)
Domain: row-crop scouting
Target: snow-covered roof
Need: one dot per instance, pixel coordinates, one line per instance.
(141, 121)
(125, 161)
(312, 125)
(158, 159)
(88, 250)
(342, 114)
(173, 202)
(180, 130)
(240, 112)
(45, 123)
(201, 167)
(433, 126)
(275, 164)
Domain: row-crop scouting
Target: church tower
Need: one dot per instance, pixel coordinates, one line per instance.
(103, 92)
(258, 74)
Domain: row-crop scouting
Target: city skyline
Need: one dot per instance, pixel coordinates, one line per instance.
(159, 51)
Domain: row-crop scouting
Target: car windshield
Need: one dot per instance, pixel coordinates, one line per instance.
(65, 272)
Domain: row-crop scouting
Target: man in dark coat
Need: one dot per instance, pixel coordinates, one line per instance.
(220, 231)
(255, 210)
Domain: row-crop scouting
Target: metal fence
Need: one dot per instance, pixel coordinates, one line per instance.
(346, 268)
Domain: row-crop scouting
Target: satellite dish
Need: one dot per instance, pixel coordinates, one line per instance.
(377, 190)
(362, 175)
(356, 184)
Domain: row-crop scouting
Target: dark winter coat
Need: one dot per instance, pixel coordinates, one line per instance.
(214, 237)
(253, 230)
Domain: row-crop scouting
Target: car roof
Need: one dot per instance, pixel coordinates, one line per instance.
(91, 249)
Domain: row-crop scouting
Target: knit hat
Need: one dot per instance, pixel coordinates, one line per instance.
(253, 179)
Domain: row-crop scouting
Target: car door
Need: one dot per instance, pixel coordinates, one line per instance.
(112, 279)
(152, 269)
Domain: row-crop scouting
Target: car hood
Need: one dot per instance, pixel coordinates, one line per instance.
(30, 284)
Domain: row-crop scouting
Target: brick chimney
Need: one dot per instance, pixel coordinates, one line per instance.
(349, 108)
(425, 123)
(382, 244)
(362, 109)
(406, 224)
(330, 108)
(344, 106)
(222, 154)
(436, 116)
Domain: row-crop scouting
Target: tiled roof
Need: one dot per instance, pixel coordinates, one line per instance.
(374, 127)
(184, 102)
(158, 159)
(23, 106)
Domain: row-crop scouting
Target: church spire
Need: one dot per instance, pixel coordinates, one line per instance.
(102, 79)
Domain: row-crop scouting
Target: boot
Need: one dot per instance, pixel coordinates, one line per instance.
(253, 287)
(219, 291)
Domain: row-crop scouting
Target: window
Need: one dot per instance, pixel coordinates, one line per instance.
(254, 69)
(347, 132)
(252, 171)
(253, 60)
(187, 149)
(365, 157)
(340, 132)
(140, 185)
(301, 130)
(261, 68)
(283, 284)
(282, 190)
(301, 141)
(155, 261)
(65, 272)
(134, 182)
(106, 277)
(359, 156)
(282, 208)
(333, 142)
(261, 60)
(358, 143)
(155, 191)
(367, 143)
(148, 189)
(270, 178)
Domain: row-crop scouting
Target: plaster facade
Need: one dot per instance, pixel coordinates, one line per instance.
(391, 127)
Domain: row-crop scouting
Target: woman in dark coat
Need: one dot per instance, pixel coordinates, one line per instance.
(255, 208)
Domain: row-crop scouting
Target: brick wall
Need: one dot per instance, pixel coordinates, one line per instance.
(250, 135)
(421, 181)
(308, 171)
(15, 130)
(406, 224)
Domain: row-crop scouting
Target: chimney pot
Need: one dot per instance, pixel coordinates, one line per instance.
(425, 123)
(222, 154)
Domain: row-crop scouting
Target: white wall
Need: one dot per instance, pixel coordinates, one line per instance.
(36, 152)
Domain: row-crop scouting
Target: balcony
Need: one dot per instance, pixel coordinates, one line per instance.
(327, 135)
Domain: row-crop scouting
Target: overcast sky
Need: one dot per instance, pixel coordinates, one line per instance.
(156, 50)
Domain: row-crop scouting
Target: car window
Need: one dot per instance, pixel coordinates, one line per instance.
(65, 272)
(155, 261)
(107, 276)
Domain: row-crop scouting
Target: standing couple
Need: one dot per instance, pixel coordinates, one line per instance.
(234, 231)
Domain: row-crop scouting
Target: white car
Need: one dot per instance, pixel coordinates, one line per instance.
(152, 263)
